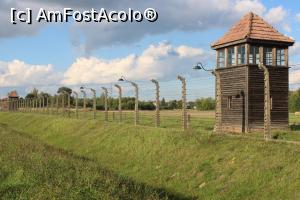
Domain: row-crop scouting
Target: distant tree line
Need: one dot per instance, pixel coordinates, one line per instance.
(294, 101)
(129, 102)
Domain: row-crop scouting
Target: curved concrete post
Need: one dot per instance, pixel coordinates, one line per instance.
(184, 112)
(157, 110)
(120, 101)
(105, 103)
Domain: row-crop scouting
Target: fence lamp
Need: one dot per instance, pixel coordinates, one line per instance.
(199, 66)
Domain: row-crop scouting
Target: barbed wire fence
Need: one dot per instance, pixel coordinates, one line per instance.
(131, 102)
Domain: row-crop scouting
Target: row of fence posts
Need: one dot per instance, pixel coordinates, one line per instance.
(39, 104)
(185, 116)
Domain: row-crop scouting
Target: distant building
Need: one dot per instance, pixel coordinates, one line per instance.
(10, 103)
(249, 42)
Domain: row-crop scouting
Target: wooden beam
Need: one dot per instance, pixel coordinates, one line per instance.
(261, 54)
(286, 56)
(274, 56)
(226, 57)
(247, 52)
(236, 55)
(217, 59)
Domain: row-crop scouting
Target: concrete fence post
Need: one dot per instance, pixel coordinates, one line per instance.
(105, 103)
(47, 104)
(136, 105)
(57, 103)
(63, 103)
(30, 105)
(84, 99)
(40, 104)
(76, 103)
(36, 104)
(218, 111)
(26, 105)
(157, 110)
(43, 103)
(120, 101)
(33, 104)
(52, 104)
(184, 111)
(267, 102)
(94, 102)
(69, 104)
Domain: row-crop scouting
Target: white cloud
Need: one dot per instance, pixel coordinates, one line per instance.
(295, 77)
(295, 49)
(286, 27)
(18, 73)
(162, 61)
(276, 15)
(7, 29)
(298, 17)
(176, 15)
(244, 6)
(187, 52)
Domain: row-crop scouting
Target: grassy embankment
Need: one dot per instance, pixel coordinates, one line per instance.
(51, 157)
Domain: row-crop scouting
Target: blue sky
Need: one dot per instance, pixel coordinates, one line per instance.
(181, 36)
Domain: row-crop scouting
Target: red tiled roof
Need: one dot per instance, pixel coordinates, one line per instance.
(254, 27)
(13, 94)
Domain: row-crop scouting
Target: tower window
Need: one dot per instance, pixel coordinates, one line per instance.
(280, 57)
(254, 55)
(221, 58)
(268, 56)
(241, 54)
(231, 56)
(229, 102)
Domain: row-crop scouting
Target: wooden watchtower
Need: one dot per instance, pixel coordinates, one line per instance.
(249, 42)
(13, 98)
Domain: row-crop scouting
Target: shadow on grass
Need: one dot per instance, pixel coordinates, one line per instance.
(124, 187)
(295, 127)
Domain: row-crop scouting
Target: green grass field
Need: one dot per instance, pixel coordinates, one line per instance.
(54, 157)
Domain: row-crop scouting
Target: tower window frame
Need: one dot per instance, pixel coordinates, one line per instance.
(254, 56)
(280, 57)
(231, 56)
(241, 56)
(268, 56)
(221, 58)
